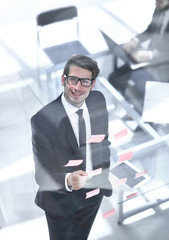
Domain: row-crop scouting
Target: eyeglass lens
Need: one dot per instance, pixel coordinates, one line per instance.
(84, 81)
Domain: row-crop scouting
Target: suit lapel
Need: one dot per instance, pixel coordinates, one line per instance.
(64, 125)
(67, 130)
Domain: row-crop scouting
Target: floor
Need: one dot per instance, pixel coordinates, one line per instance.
(21, 96)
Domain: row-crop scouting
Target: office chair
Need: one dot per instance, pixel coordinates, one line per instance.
(61, 51)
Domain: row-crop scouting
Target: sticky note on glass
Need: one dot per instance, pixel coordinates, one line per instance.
(125, 156)
(121, 134)
(139, 174)
(132, 195)
(92, 193)
(73, 163)
(95, 172)
(109, 213)
(96, 138)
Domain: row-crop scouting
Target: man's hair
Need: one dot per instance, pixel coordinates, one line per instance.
(83, 62)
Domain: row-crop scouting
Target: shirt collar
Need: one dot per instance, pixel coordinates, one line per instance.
(70, 109)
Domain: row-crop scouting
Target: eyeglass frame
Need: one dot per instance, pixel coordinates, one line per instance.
(79, 79)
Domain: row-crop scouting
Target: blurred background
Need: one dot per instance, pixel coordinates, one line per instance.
(29, 80)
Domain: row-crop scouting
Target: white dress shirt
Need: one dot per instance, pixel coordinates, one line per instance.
(73, 117)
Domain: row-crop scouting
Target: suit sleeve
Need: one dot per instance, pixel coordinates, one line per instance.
(105, 148)
(48, 174)
(101, 151)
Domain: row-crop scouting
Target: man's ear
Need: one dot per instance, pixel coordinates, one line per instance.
(63, 80)
(93, 84)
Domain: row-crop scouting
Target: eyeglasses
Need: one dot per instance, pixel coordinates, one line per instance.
(85, 82)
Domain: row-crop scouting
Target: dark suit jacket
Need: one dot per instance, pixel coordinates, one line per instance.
(152, 32)
(54, 144)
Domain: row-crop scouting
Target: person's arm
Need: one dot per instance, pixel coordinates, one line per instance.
(105, 143)
(47, 174)
(101, 150)
(142, 56)
(131, 45)
(135, 42)
(105, 183)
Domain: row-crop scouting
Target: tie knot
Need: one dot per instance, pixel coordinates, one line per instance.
(80, 112)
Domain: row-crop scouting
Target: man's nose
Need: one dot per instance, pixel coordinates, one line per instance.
(78, 85)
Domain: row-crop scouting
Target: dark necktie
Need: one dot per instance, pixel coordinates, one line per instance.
(82, 136)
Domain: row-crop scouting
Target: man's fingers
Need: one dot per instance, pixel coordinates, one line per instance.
(79, 183)
(77, 179)
(142, 56)
(81, 173)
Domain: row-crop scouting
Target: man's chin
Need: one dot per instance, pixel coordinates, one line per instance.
(77, 104)
(77, 99)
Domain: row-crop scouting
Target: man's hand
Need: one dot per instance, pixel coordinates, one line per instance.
(131, 45)
(142, 56)
(77, 179)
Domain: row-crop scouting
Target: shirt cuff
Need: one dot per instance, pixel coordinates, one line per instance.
(68, 188)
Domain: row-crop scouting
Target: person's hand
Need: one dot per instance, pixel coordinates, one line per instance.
(142, 56)
(77, 179)
(132, 44)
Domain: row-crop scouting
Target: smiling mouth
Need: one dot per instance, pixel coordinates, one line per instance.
(76, 93)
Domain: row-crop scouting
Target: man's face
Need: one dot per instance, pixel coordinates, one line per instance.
(76, 94)
(162, 4)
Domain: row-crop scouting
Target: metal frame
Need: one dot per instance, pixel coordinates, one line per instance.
(151, 203)
(157, 140)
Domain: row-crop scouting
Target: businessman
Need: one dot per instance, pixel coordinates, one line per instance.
(65, 155)
(157, 33)
(155, 52)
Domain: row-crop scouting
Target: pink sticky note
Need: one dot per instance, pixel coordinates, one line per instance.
(109, 213)
(121, 134)
(139, 174)
(95, 172)
(119, 182)
(125, 156)
(96, 138)
(92, 193)
(73, 163)
(132, 195)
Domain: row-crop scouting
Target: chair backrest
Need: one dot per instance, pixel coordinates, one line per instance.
(56, 15)
(63, 16)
